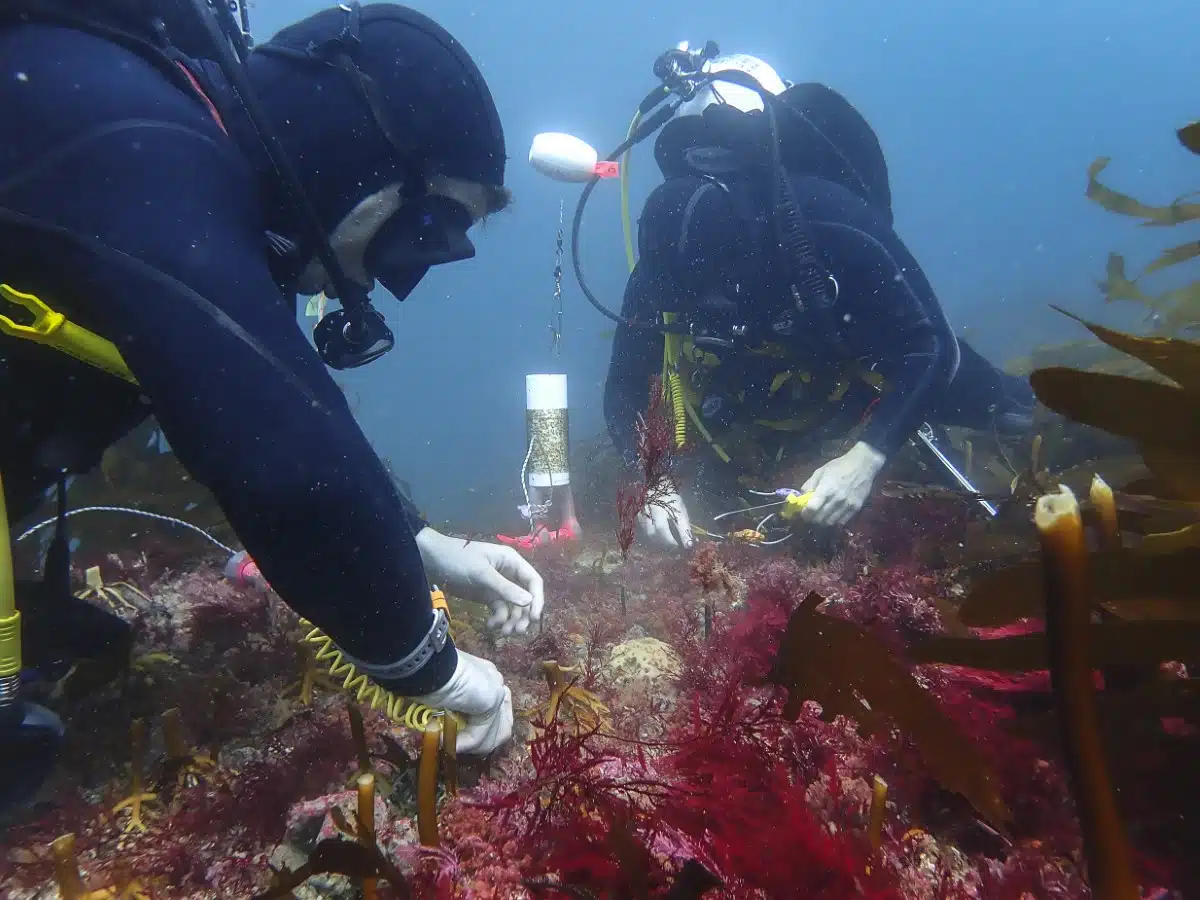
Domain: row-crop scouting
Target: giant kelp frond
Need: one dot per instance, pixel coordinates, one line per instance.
(1145, 595)
(1189, 136)
(1163, 418)
(1178, 211)
(1178, 308)
(1177, 360)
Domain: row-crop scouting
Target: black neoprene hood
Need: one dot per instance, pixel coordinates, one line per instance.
(435, 99)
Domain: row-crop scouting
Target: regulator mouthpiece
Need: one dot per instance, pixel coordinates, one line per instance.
(347, 339)
(564, 157)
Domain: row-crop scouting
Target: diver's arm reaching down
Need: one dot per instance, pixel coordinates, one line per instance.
(888, 316)
(184, 290)
(891, 318)
(911, 342)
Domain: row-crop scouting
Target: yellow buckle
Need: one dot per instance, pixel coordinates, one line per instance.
(438, 598)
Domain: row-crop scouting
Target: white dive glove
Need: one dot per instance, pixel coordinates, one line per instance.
(486, 573)
(477, 691)
(841, 487)
(665, 525)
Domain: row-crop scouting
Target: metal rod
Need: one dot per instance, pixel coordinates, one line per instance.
(925, 436)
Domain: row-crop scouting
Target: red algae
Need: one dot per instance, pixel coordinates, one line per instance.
(700, 772)
(655, 445)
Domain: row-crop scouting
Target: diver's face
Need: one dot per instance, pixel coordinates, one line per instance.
(458, 206)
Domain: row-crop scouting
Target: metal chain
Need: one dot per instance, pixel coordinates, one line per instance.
(556, 313)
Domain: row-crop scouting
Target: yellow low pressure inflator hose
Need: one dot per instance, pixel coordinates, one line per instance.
(400, 710)
(31, 735)
(626, 220)
(672, 383)
(10, 617)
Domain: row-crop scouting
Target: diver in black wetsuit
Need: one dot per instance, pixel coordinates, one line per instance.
(137, 198)
(761, 368)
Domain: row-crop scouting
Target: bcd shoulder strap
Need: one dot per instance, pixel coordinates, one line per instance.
(755, 274)
(137, 25)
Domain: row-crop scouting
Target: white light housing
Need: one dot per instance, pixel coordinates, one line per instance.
(565, 157)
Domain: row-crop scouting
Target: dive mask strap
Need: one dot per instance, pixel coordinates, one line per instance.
(340, 52)
(346, 46)
(361, 334)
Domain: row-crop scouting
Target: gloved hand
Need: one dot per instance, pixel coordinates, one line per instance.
(666, 524)
(486, 573)
(841, 487)
(477, 691)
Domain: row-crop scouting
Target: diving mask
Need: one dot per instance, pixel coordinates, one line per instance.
(431, 230)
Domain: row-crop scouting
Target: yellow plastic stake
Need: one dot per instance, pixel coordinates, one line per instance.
(10, 618)
(54, 330)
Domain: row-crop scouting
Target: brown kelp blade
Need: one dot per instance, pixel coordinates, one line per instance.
(1150, 413)
(1189, 136)
(1180, 308)
(850, 672)
(1175, 466)
(1155, 545)
(1149, 500)
(1119, 286)
(1173, 257)
(1128, 584)
(1113, 644)
(1175, 309)
(1176, 358)
(1124, 205)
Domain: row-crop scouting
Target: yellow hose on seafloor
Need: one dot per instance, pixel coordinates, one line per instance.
(10, 617)
(672, 383)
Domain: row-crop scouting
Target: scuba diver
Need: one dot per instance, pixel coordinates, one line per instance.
(165, 194)
(799, 314)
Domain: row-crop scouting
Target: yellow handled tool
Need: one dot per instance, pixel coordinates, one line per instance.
(793, 505)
